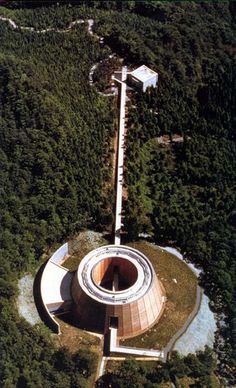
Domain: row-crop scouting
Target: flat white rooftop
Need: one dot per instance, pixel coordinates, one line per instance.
(55, 284)
(143, 73)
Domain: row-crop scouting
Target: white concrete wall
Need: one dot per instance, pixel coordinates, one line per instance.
(114, 348)
(60, 254)
(150, 82)
(48, 282)
(55, 284)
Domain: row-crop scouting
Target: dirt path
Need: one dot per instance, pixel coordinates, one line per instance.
(90, 22)
(70, 26)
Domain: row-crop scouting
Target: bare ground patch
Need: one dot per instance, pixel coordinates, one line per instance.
(25, 301)
(82, 244)
(74, 339)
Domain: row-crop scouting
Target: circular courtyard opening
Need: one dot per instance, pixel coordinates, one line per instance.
(114, 274)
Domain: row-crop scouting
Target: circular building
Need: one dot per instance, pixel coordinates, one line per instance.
(116, 286)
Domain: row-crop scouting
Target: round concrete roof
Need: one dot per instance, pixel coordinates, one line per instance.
(134, 292)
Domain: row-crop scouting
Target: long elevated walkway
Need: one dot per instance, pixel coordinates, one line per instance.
(120, 159)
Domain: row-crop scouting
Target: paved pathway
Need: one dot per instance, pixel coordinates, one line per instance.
(120, 161)
(133, 351)
(102, 367)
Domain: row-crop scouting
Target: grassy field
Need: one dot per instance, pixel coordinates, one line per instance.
(180, 286)
(73, 338)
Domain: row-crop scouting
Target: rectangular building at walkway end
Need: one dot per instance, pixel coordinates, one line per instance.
(142, 78)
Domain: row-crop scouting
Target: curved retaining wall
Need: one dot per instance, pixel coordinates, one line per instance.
(57, 258)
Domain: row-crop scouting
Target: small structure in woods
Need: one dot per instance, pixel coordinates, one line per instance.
(142, 78)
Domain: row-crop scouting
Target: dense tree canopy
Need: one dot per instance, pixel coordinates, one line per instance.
(182, 191)
(197, 369)
(56, 140)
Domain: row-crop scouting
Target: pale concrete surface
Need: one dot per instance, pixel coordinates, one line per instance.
(55, 284)
(201, 331)
(136, 291)
(143, 73)
(143, 77)
(120, 163)
(59, 256)
(102, 367)
(115, 348)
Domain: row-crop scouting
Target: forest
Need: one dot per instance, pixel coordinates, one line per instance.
(189, 371)
(182, 193)
(56, 131)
